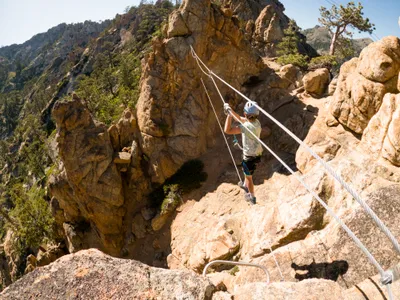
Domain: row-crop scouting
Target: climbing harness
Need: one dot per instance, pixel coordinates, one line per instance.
(236, 142)
(387, 277)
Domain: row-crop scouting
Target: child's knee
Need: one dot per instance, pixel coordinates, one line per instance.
(249, 178)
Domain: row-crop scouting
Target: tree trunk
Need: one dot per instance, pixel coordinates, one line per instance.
(332, 47)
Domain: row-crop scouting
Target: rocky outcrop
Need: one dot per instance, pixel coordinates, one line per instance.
(175, 122)
(89, 189)
(264, 23)
(251, 10)
(90, 274)
(330, 253)
(364, 81)
(306, 242)
(382, 136)
(316, 82)
(268, 29)
(230, 228)
(99, 186)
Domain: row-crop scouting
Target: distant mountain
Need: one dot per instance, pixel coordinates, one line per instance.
(319, 38)
(60, 45)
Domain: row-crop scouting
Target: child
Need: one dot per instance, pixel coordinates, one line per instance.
(252, 149)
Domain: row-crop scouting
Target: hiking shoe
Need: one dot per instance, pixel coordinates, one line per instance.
(242, 186)
(248, 197)
(253, 200)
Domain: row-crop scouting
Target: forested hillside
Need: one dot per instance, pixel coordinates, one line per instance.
(101, 63)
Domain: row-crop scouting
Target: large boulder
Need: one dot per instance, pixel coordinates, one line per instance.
(380, 61)
(91, 274)
(364, 81)
(382, 136)
(316, 82)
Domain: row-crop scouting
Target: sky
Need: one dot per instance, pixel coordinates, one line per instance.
(383, 13)
(21, 19)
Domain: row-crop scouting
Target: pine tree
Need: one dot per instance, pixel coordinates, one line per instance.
(287, 49)
(339, 19)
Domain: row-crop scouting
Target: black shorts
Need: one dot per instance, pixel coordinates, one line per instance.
(249, 164)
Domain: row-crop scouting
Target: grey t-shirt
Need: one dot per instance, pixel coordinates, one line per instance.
(251, 147)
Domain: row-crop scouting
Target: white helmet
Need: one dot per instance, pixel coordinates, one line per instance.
(251, 109)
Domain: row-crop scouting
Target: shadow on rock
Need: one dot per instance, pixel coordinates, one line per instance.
(330, 271)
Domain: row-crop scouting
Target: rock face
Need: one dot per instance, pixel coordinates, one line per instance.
(382, 136)
(90, 274)
(316, 82)
(305, 241)
(331, 254)
(364, 81)
(105, 174)
(229, 227)
(99, 185)
(177, 124)
(90, 187)
(268, 29)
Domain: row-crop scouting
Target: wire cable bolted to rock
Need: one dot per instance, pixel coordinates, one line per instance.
(387, 276)
(337, 177)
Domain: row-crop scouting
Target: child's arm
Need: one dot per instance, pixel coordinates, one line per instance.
(228, 123)
(228, 126)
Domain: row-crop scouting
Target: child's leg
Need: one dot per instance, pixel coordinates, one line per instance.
(249, 183)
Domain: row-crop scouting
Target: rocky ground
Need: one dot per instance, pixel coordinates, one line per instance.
(91, 274)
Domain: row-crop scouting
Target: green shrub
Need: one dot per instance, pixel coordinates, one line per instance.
(33, 222)
(325, 61)
(172, 200)
(234, 270)
(294, 59)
